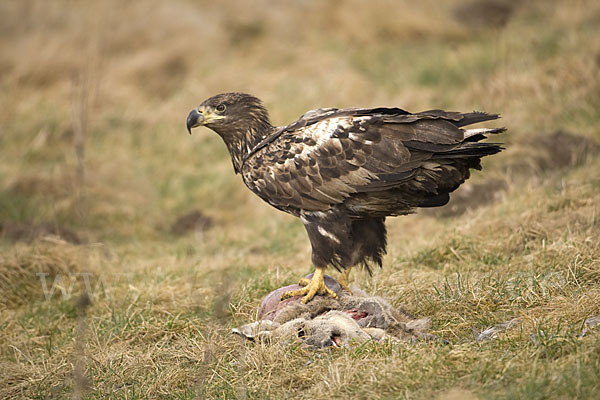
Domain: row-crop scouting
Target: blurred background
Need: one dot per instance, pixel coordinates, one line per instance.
(95, 94)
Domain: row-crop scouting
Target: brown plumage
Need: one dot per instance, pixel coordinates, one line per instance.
(342, 171)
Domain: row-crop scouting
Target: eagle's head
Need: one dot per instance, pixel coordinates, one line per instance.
(230, 115)
(239, 118)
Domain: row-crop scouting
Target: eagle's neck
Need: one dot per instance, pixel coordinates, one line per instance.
(243, 138)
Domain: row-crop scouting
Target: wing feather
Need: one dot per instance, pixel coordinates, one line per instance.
(377, 155)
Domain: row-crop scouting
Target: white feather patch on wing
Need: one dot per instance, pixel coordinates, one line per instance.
(357, 138)
(322, 131)
(473, 132)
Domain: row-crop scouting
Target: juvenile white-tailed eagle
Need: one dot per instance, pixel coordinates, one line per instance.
(343, 171)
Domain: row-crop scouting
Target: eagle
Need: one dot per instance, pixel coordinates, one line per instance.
(343, 171)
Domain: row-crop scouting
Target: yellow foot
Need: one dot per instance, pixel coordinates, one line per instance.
(304, 282)
(311, 288)
(343, 280)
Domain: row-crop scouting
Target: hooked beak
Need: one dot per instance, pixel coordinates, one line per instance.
(194, 119)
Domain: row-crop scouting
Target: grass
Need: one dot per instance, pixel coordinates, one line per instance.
(162, 306)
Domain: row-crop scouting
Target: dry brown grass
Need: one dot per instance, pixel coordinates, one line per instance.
(21, 268)
(162, 307)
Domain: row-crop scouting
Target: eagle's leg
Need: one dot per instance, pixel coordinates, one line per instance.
(315, 286)
(344, 280)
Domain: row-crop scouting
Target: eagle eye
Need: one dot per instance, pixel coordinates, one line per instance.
(220, 108)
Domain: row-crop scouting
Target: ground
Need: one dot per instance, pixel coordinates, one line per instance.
(128, 249)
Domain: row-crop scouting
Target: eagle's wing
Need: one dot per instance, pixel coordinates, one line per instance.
(330, 155)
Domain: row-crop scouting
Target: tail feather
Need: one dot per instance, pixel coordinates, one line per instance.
(469, 149)
(475, 117)
(461, 119)
(482, 131)
(475, 135)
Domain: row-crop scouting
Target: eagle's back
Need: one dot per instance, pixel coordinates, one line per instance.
(370, 162)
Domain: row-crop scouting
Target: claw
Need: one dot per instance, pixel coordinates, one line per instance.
(313, 287)
(343, 280)
(304, 282)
